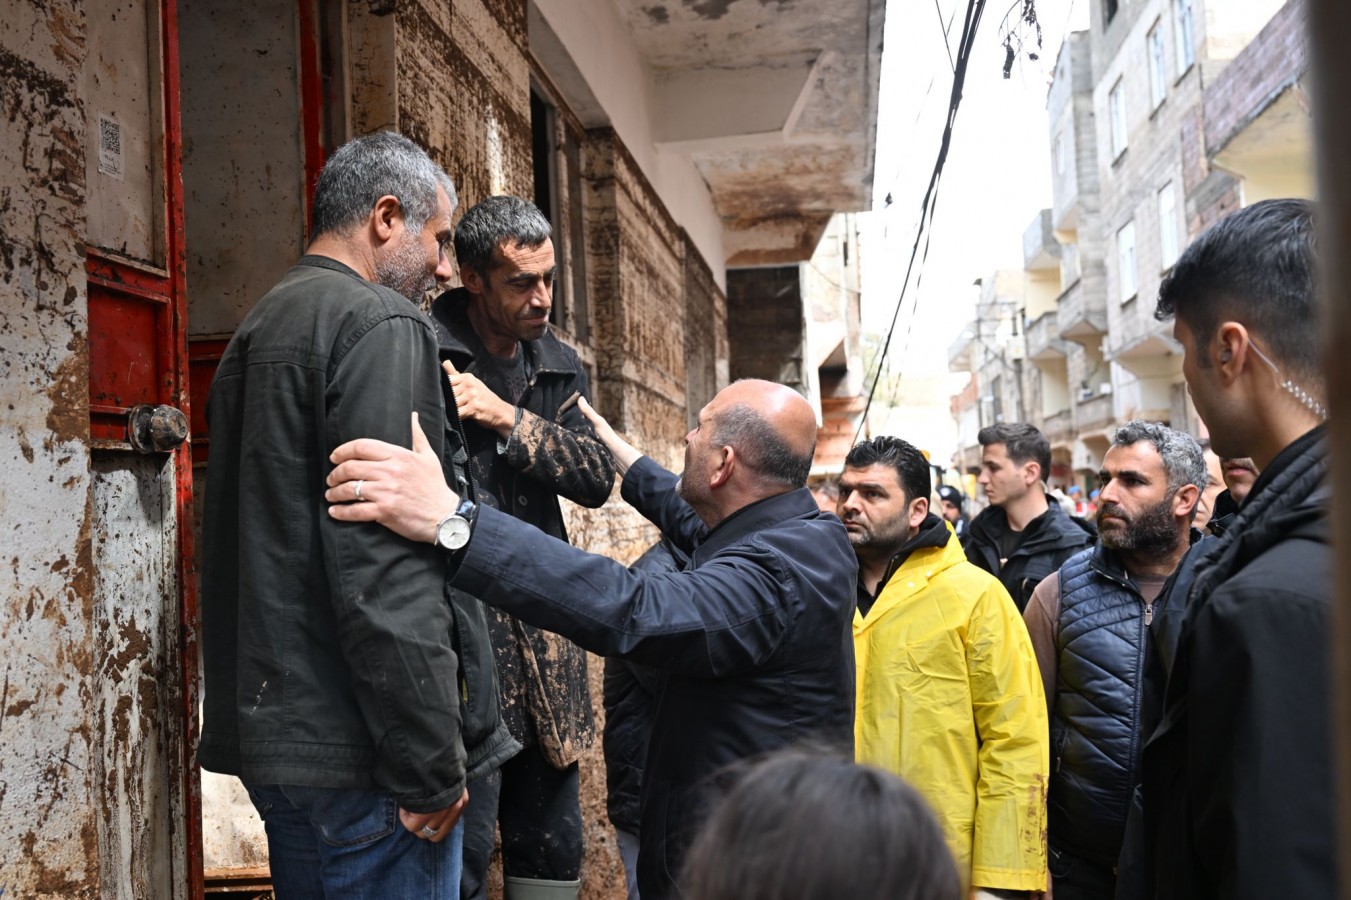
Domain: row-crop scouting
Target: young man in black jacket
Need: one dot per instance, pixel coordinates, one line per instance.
(516, 388)
(1238, 776)
(1021, 537)
(333, 688)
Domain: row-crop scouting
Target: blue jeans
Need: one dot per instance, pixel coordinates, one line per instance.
(327, 843)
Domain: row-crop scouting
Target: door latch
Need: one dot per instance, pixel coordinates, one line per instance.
(156, 429)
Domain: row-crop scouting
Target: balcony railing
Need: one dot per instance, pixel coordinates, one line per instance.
(1059, 428)
(1094, 414)
(1080, 315)
(1043, 337)
(1040, 248)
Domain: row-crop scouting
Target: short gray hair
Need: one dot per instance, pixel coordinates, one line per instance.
(761, 448)
(1183, 460)
(498, 219)
(367, 168)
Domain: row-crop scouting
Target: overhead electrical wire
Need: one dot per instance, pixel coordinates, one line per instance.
(974, 10)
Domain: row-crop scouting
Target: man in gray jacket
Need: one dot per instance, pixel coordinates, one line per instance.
(333, 687)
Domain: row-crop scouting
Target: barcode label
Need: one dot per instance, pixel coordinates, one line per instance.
(110, 146)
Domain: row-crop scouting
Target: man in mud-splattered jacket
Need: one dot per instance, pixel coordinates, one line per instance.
(516, 388)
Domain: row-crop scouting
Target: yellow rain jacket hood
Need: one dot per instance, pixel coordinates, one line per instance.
(949, 698)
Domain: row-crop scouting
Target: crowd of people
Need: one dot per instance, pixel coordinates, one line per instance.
(864, 694)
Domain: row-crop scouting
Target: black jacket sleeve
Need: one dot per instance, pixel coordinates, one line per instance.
(392, 619)
(563, 453)
(724, 618)
(651, 490)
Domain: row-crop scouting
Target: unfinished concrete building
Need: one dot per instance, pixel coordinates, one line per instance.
(155, 170)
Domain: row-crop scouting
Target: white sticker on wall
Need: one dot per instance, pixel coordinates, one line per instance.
(110, 147)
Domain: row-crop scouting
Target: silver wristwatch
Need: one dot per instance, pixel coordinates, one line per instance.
(454, 530)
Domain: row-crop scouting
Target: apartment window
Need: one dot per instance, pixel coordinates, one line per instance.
(1186, 37)
(1158, 77)
(1125, 256)
(1060, 153)
(1168, 248)
(1116, 109)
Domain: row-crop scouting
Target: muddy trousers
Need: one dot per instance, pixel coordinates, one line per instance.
(538, 810)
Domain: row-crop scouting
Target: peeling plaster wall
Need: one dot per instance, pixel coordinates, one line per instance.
(48, 845)
(706, 351)
(137, 766)
(464, 92)
(243, 178)
(622, 84)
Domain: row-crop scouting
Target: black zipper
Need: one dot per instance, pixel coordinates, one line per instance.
(454, 410)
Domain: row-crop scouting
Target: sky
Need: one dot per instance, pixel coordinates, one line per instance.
(997, 177)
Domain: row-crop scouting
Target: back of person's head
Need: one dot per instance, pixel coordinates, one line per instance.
(1183, 459)
(492, 222)
(810, 825)
(1022, 443)
(1256, 266)
(912, 469)
(761, 448)
(367, 168)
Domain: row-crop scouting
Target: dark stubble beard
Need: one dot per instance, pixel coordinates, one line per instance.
(405, 270)
(1152, 531)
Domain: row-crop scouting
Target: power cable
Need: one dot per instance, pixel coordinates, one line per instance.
(974, 10)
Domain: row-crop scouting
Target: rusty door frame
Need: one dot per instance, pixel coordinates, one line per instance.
(164, 292)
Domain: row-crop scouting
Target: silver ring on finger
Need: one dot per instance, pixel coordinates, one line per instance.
(360, 482)
(428, 832)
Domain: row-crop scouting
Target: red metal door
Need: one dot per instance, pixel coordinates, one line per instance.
(138, 376)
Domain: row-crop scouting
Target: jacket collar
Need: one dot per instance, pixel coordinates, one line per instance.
(1049, 530)
(757, 516)
(456, 335)
(912, 577)
(933, 532)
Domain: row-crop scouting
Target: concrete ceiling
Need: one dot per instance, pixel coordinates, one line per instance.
(774, 102)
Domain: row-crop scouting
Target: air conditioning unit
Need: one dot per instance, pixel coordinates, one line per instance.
(1086, 394)
(1105, 389)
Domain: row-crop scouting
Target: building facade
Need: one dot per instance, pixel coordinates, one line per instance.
(1164, 115)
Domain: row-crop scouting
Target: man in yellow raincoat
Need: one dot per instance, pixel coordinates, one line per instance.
(949, 695)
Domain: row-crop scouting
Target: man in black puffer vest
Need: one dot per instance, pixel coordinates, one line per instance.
(1089, 624)
(1020, 538)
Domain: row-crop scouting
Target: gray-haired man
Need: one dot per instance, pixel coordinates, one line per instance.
(1089, 624)
(335, 657)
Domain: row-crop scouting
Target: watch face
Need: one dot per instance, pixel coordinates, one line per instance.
(453, 533)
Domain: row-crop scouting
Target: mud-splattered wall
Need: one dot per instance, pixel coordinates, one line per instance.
(48, 843)
(464, 92)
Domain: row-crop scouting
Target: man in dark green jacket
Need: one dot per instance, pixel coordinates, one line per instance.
(333, 688)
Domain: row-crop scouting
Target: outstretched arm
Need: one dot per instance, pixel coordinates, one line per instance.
(624, 453)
